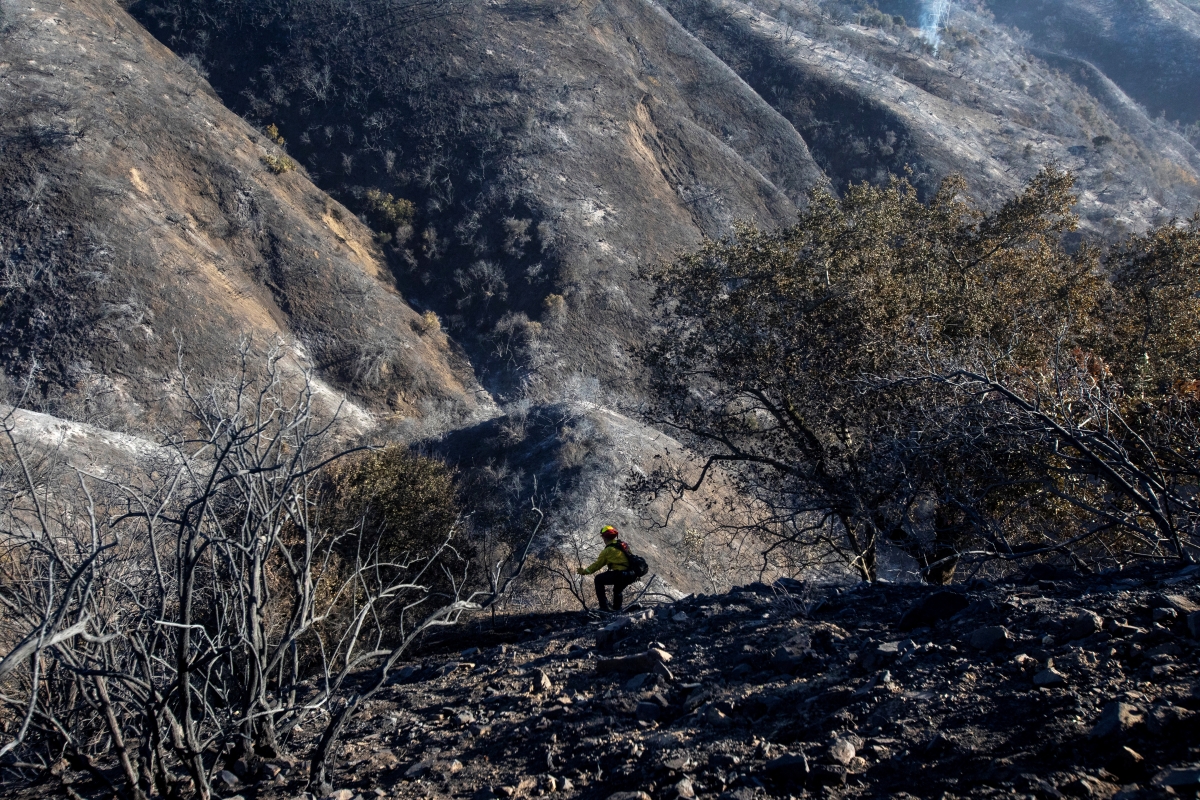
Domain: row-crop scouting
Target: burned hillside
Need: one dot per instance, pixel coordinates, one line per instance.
(1057, 686)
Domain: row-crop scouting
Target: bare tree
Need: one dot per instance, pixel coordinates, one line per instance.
(199, 610)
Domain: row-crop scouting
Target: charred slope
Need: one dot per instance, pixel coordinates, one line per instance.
(552, 148)
(574, 458)
(1052, 688)
(139, 217)
(1151, 49)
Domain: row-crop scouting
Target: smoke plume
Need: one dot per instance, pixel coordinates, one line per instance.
(933, 15)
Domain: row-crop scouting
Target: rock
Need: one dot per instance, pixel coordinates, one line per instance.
(1085, 624)
(725, 761)
(1126, 763)
(1116, 719)
(340, 794)
(1120, 629)
(685, 790)
(227, 779)
(1025, 663)
(1193, 622)
(1178, 602)
(938, 606)
(841, 751)
(990, 639)
(1168, 649)
(568, 785)
(643, 680)
(454, 767)
(542, 683)
(653, 660)
(739, 793)
(629, 796)
(876, 656)
(786, 661)
(790, 768)
(647, 711)
(1178, 778)
(1160, 614)
(418, 770)
(608, 635)
(550, 784)
(827, 775)
(714, 716)
(1077, 660)
(1049, 677)
(679, 617)
(1089, 787)
(1165, 719)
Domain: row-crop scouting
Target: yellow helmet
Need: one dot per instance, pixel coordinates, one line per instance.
(609, 532)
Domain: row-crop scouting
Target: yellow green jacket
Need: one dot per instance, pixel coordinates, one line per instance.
(613, 557)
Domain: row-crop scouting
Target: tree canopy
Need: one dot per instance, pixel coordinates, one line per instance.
(949, 379)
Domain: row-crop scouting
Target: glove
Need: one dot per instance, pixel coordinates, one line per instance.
(581, 571)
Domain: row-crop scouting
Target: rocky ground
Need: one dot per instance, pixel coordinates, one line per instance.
(1083, 687)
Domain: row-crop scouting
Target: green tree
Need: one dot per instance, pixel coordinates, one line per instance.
(893, 370)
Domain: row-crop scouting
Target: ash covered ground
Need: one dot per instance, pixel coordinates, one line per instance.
(1064, 687)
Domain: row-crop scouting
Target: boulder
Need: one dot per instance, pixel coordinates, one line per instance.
(1182, 605)
(1089, 787)
(1187, 778)
(1166, 719)
(842, 751)
(1161, 614)
(643, 680)
(607, 636)
(990, 639)
(647, 711)
(789, 768)
(937, 606)
(1120, 630)
(1049, 677)
(1166, 649)
(828, 775)
(653, 660)
(1085, 624)
(1116, 718)
(418, 770)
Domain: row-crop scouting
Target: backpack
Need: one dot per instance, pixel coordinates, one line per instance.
(638, 566)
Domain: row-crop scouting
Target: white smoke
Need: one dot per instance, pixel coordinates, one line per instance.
(933, 15)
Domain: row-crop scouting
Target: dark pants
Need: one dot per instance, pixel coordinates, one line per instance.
(618, 579)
